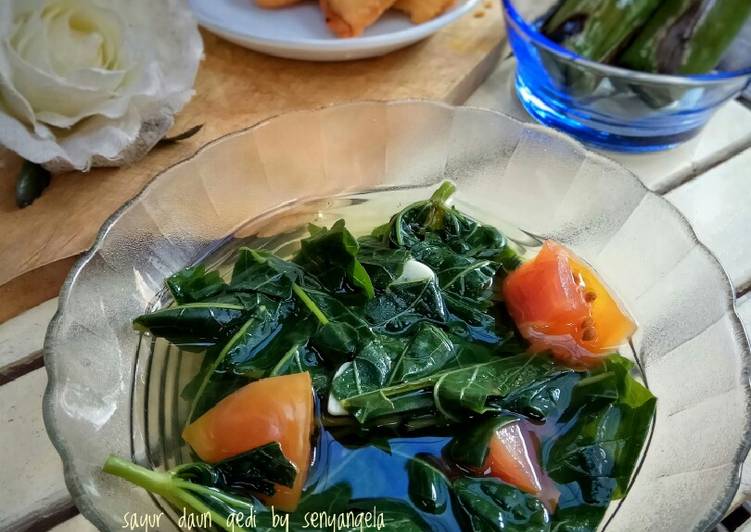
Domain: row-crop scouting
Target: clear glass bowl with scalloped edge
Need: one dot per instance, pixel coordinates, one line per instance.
(112, 391)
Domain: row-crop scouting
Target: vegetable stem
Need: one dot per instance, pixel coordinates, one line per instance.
(178, 492)
(305, 298)
(30, 183)
(153, 481)
(444, 192)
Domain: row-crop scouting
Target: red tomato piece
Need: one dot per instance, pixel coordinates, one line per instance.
(276, 409)
(560, 304)
(512, 457)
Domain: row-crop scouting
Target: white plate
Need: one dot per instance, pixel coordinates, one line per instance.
(300, 32)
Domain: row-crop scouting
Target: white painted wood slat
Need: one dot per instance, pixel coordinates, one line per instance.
(22, 337)
(718, 205)
(35, 474)
(728, 133)
(744, 492)
(76, 524)
(31, 475)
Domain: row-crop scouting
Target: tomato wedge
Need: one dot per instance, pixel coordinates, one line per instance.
(560, 304)
(276, 409)
(512, 457)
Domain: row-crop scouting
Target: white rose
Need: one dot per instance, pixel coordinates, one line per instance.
(93, 82)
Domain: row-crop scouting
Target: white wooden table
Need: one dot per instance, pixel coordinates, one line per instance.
(708, 179)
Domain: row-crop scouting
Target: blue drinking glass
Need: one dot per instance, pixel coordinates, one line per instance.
(610, 107)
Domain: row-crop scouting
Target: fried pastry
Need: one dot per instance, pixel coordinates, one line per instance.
(420, 11)
(349, 18)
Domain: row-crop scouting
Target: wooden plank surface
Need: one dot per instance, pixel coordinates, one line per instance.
(727, 134)
(235, 89)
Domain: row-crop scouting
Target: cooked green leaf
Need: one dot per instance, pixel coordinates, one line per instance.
(343, 331)
(330, 255)
(194, 326)
(405, 304)
(254, 471)
(455, 394)
(408, 227)
(291, 354)
(261, 271)
(490, 505)
(234, 365)
(370, 369)
(425, 225)
(579, 518)
(386, 361)
(477, 318)
(384, 264)
(430, 351)
(605, 429)
(470, 446)
(240, 354)
(544, 397)
(428, 486)
(220, 385)
(466, 256)
(195, 284)
(459, 274)
(481, 388)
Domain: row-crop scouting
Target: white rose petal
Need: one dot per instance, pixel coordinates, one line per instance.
(93, 82)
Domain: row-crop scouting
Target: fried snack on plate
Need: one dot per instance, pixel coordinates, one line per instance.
(349, 18)
(420, 11)
(275, 4)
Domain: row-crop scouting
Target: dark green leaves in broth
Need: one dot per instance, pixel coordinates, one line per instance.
(426, 369)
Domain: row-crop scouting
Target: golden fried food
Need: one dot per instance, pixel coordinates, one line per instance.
(420, 11)
(275, 4)
(349, 18)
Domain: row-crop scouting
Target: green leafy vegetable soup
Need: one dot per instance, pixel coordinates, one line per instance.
(428, 375)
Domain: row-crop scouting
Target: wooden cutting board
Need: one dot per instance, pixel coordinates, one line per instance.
(234, 89)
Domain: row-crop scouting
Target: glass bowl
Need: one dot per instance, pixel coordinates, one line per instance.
(113, 391)
(610, 107)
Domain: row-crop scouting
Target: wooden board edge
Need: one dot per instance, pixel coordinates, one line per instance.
(464, 89)
(44, 282)
(33, 288)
